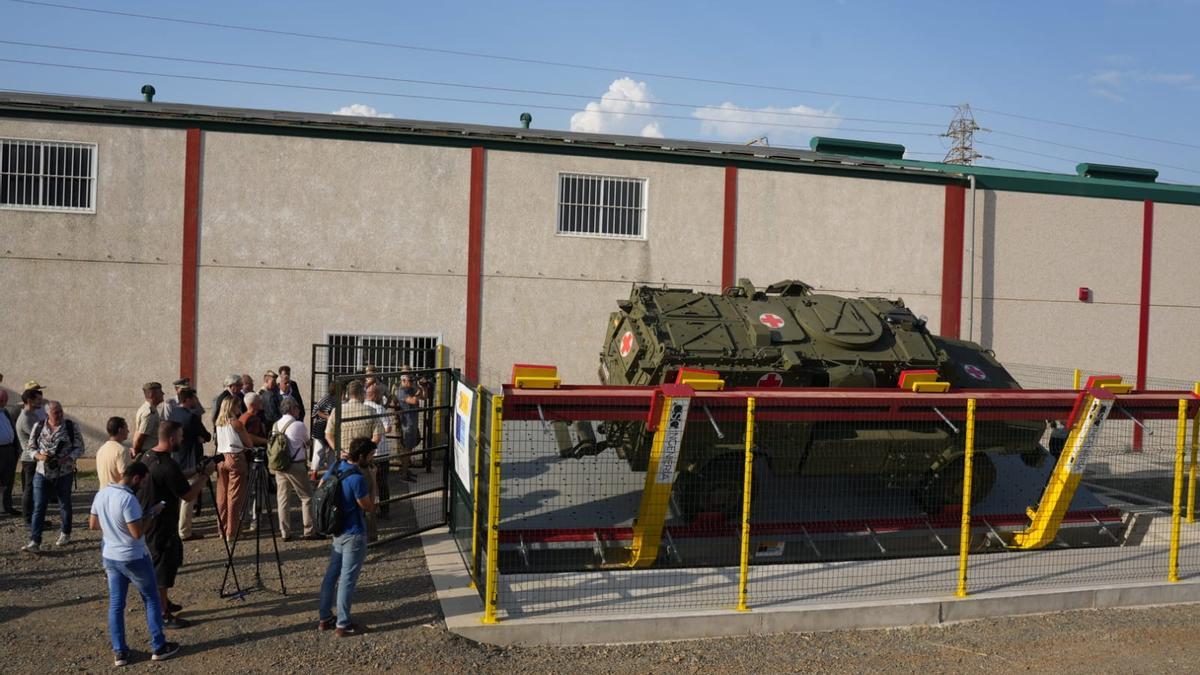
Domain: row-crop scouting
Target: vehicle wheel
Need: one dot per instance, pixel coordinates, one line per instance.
(945, 487)
(715, 487)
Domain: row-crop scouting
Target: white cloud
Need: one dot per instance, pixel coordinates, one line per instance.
(729, 121)
(621, 110)
(1112, 83)
(360, 110)
(1108, 94)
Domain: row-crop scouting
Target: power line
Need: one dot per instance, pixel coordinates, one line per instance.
(480, 55)
(367, 92)
(1087, 128)
(1091, 150)
(439, 83)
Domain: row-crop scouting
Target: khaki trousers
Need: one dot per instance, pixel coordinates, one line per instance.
(293, 483)
(232, 483)
(185, 519)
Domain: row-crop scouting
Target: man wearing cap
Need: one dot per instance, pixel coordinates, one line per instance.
(146, 422)
(233, 387)
(31, 413)
(174, 402)
(189, 451)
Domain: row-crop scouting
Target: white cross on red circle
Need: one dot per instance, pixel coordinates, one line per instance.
(770, 380)
(975, 372)
(626, 343)
(771, 320)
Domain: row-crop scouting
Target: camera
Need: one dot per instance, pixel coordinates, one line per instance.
(52, 463)
(257, 454)
(206, 460)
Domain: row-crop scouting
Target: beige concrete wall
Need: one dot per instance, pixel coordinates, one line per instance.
(305, 237)
(1032, 253)
(547, 297)
(846, 236)
(91, 305)
(1174, 346)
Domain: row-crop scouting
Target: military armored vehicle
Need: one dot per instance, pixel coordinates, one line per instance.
(788, 335)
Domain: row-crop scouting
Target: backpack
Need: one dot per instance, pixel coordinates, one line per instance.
(279, 452)
(328, 512)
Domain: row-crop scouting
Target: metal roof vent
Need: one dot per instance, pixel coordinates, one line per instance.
(1115, 172)
(148, 93)
(853, 148)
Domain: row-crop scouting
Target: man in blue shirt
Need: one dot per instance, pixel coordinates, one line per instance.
(349, 547)
(118, 515)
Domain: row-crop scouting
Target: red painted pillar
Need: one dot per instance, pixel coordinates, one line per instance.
(729, 233)
(1143, 352)
(189, 263)
(474, 264)
(952, 260)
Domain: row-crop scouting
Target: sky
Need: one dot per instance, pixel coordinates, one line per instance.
(1034, 74)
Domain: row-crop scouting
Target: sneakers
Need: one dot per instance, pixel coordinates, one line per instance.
(352, 629)
(172, 621)
(327, 624)
(173, 608)
(165, 652)
(63, 539)
(32, 547)
(120, 658)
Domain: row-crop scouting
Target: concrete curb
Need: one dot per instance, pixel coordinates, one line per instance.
(463, 609)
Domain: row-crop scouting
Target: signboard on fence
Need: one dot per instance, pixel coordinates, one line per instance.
(464, 404)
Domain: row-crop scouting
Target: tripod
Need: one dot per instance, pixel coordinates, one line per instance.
(259, 499)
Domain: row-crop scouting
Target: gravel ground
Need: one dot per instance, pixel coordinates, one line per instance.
(52, 618)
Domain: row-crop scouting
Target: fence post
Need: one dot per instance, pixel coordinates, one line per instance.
(1176, 507)
(1191, 506)
(964, 537)
(747, 482)
(475, 488)
(491, 593)
(439, 395)
(1078, 379)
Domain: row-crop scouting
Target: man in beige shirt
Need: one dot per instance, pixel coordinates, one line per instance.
(146, 423)
(354, 407)
(113, 457)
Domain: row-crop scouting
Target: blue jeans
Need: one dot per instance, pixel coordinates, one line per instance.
(345, 563)
(141, 573)
(42, 487)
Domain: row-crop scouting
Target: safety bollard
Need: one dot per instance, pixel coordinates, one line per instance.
(964, 538)
(1191, 506)
(747, 482)
(475, 489)
(1176, 506)
(1078, 379)
(491, 593)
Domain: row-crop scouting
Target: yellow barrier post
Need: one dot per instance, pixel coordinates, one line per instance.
(475, 488)
(964, 538)
(1191, 506)
(1078, 379)
(439, 396)
(1180, 437)
(747, 481)
(493, 543)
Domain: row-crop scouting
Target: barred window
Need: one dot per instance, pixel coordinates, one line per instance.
(349, 354)
(601, 206)
(47, 175)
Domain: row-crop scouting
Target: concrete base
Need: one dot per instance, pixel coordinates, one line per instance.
(463, 610)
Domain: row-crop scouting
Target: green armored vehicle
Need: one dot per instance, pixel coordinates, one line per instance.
(787, 335)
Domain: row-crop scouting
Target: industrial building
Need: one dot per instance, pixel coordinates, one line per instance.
(140, 241)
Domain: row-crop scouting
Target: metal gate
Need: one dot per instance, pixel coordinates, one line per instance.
(409, 477)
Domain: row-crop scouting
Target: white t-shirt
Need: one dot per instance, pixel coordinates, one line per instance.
(383, 450)
(297, 435)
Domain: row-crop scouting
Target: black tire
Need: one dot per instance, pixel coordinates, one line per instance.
(945, 487)
(715, 487)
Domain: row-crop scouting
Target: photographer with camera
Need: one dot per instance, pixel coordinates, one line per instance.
(122, 523)
(167, 485)
(55, 444)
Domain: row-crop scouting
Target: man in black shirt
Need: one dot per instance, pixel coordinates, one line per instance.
(190, 451)
(167, 485)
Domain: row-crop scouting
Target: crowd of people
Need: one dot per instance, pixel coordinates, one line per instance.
(151, 489)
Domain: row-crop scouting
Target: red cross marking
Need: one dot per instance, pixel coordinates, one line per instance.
(770, 380)
(626, 343)
(770, 320)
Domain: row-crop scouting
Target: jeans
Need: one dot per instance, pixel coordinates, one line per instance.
(42, 487)
(345, 563)
(141, 573)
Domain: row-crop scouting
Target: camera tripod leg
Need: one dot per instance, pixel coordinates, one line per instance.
(229, 568)
(269, 515)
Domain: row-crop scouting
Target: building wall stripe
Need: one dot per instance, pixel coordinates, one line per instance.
(189, 262)
(952, 260)
(729, 233)
(1144, 301)
(474, 264)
